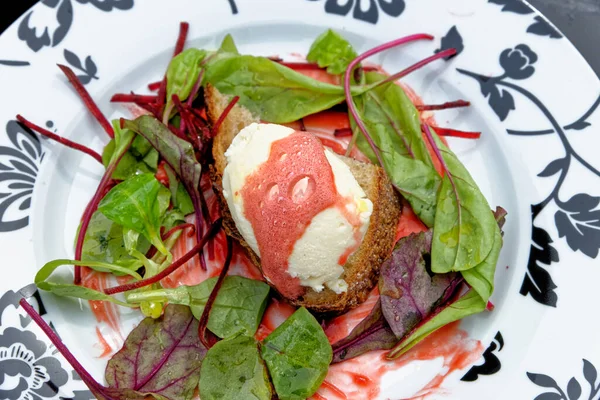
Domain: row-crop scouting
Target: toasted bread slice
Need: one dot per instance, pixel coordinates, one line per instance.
(361, 271)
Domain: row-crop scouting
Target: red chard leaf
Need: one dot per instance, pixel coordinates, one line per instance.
(372, 333)
(409, 292)
(161, 357)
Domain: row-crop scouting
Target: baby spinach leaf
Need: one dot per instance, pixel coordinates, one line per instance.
(179, 195)
(138, 203)
(465, 228)
(298, 355)
(178, 153)
(332, 51)
(468, 304)
(270, 90)
(233, 369)
(408, 292)
(182, 74)
(481, 278)
(238, 308)
(80, 292)
(160, 357)
(104, 242)
(372, 333)
(173, 218)
(228, 45)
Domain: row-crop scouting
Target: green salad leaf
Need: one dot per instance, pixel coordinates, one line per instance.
(465, 229)
(298, 355)
(228, 45)
(182, 74)
(238, 308)
(270, 90)
(233, 369)
(330, 50)
(139, 203)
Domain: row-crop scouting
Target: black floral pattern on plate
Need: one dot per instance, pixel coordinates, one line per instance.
(540, 26)
(19, 165)
(38, 37)
(14, 63)
(452, 40)
(578, 218)
(574, 390)
(365, 10)
(491, 362)
(88, 67)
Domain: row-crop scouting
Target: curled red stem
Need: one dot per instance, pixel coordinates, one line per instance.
(418, 65)
(87, 99)
(223, 115)
(59, 139)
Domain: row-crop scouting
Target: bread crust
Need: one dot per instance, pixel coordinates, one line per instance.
(361, 271)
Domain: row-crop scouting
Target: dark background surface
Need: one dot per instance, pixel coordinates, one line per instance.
(579, 20)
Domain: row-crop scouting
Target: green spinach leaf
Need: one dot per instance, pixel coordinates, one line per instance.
(238, 308)
(182, 74)
(181, 198)
(298, 355)
(465, 228)
(228, 45)
(332, 51)
(232, 369)
(139, 203)
(270, 90)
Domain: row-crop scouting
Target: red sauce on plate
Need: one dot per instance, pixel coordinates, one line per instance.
(282, 197)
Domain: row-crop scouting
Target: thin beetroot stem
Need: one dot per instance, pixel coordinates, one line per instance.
(214, 228)
(87, 100)
(181, 227)
(162, 92)
(91, 208)
(416, 66)
(223, 115)
(347, 75)
(456, 133)
(443, 106)
(438, 154)
(59, 139)
(154, 86)
(133, 98)
(183, 31)
(195, 89)
(208, 342)
(60, 346)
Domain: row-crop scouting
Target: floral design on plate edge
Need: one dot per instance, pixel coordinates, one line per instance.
(540, 25)
(573, 390)
(578, 218)
(393, 8)
(491, 363)
(29, 369)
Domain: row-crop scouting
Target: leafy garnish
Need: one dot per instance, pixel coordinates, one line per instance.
(372, 333)
(465, 228)
(139, 159)
(408, 292)
(270, 90)
(332, 51)
(139, 203)
(160, 357)
(238, 308)
(298, 355)
(233, 369)
(228, 45)
(182, 74)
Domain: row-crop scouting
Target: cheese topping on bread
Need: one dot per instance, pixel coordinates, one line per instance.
(297, 205)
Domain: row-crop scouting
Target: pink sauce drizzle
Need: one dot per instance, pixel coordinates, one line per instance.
(283, 196)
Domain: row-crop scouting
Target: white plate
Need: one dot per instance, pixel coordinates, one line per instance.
(534, 98)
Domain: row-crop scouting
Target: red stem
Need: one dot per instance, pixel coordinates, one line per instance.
(56, 340)
(183, 31)
(223, 115)
(154, 86)
(418, 65)
(91, 208)
(490, 306)
(59, 139)
(196, 88)
(87, 99)
(133, 98)
(162, 92)
(347, 81)
(456, 133)
(443, 106)
(215, 227)
(342, 132)
(181, 227)
(208, 342)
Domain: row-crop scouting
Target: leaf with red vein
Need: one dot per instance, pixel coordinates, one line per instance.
(160, 357)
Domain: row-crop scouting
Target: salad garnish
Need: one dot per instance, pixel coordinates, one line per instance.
(156, 191)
